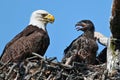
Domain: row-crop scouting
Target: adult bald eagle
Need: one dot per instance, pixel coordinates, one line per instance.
(34, 38)
(84, 48)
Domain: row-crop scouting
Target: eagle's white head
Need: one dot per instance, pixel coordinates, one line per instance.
(40, 18)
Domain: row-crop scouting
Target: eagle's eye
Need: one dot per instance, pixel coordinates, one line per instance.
(43, 15)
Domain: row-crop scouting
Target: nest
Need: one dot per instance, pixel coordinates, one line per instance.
(51, 69)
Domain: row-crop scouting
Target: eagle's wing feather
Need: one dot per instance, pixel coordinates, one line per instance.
(72, 48)
(23, 33)
(11, 47)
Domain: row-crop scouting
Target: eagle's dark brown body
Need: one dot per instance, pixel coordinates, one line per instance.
(102, 57)
(31, 39)
(84, 48)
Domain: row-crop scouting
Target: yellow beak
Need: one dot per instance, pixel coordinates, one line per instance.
(50, 18)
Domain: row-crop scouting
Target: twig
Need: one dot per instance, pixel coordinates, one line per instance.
(55, 63)
(69, 60)
(4, 64)
(38, 55)
(11, 69)
(49, 77)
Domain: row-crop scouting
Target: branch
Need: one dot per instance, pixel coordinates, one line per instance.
(55, 63)
(115, 19)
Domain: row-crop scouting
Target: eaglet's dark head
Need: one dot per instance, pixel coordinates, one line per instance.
(85, 25)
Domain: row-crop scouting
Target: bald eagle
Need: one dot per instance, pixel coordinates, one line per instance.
(34, 38)
(102, 57)
(84, 48)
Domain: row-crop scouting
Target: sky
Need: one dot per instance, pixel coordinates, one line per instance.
(15, 16)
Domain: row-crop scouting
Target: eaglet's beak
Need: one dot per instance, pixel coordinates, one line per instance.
(50, 18)
(81, 26)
